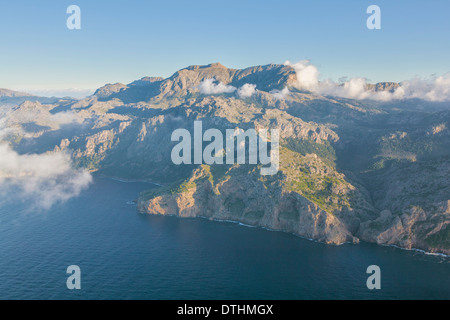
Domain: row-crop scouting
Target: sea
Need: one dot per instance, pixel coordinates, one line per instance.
(123, 254)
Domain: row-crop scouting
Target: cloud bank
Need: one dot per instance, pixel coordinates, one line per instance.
(435, 89)
(41, 179)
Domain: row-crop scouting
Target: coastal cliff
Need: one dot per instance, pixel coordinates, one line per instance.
(241, 194)
(268, 204)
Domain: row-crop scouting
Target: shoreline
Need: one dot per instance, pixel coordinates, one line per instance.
(100, 175)
(135, 202)
(435, 254)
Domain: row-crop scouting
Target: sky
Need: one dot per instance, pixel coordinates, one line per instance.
(121, 41)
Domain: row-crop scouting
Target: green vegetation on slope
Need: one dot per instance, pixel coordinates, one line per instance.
(440, 239)
(315, 180)
(304, 147)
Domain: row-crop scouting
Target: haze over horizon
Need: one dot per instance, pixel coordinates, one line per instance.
(120, 43)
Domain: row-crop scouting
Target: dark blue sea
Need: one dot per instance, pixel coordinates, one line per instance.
(126, 255)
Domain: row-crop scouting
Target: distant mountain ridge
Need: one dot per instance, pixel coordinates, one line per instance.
(13, 94)
(267, 78)
(184, 81)
(11, 97)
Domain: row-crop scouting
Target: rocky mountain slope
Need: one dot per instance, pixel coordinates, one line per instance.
(350, 170)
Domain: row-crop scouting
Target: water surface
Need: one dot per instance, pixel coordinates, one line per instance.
(126, 255)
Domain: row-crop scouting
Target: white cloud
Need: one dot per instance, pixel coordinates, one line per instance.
(247, 90)
(307, 74)
(354, 88)
(434, 89)
(41, 179)
(280, 94)
(66, 117)
(208, 86)
(4, 129)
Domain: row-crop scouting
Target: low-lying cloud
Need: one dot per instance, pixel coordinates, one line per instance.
(208, 86)
(247, 90)
(280, 94)
(66, 117)
(436, 89)
(41, 179)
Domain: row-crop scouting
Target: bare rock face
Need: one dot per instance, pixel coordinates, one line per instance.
(109, 89)
(383, 86)
(253, 206)
(414, 229)
(185, 81)
(238, 193)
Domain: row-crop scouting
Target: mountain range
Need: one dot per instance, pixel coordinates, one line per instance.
(350, 170)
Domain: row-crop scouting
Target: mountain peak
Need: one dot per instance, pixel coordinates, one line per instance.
(216, 65)
(145, 81)
(109, 89)
(185, 81)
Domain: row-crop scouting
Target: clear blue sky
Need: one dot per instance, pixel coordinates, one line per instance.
(121, 41)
